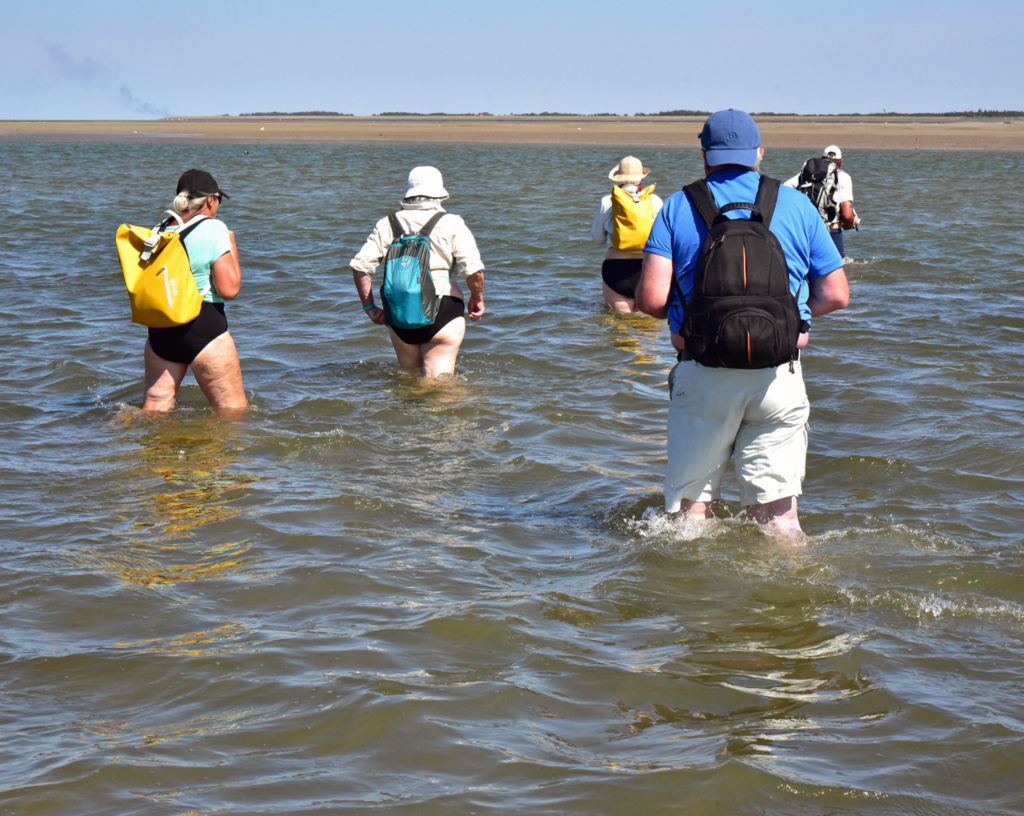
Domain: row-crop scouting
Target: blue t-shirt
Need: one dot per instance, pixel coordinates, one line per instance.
(679, 231)
(205, 244)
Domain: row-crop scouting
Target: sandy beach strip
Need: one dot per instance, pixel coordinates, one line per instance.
(805, 132)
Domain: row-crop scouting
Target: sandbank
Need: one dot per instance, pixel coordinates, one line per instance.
(806, 132)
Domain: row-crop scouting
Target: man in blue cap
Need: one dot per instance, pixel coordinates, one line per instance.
(737, 391)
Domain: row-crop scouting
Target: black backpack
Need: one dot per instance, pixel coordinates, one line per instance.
(741, 313)
(818, 180)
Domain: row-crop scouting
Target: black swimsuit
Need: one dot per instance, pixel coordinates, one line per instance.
(182, 344)
(449, 309)
(622, 275)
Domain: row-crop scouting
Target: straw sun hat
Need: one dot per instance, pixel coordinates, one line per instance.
(629, 171)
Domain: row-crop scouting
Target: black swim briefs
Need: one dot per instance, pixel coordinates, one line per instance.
(449, 309)
(182, 344)
(622, 275)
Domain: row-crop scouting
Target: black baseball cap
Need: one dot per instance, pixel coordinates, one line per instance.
(199, 183)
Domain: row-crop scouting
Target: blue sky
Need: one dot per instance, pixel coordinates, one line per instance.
(106, 60)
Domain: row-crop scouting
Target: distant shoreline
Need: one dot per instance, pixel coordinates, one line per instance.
(806, 132)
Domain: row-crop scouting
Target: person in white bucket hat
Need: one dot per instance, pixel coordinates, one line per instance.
(429, 350)
(623, 219)
(425, 182)
(838, 212)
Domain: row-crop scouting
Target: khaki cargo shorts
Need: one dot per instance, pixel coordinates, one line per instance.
(756, 417)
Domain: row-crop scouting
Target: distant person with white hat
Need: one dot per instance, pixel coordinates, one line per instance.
(624, 218)
(830, 189)
(423, 307)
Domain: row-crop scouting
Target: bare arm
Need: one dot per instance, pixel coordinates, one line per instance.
(829, 293)
(846, 215)
(652, 293)
(364, 288)
(476, 307)
(365, 263)
(226, 274)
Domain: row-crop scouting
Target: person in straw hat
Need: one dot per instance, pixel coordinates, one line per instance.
(623, 219)
(430, 350)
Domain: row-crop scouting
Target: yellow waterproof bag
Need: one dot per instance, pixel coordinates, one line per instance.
(632, 218)
(161, 288)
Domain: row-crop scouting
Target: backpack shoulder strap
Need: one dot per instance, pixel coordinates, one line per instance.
(429, 226)
(396, 226)
(700, 196)
(767, 196)
(169, 217)
(182, 232)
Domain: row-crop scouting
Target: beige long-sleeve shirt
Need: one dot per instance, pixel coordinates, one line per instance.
(452, 246)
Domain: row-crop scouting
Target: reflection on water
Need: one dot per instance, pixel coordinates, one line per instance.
(634, 333)
(183, 477)
(202, 643)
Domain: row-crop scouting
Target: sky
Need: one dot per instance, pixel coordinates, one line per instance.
(105, 60)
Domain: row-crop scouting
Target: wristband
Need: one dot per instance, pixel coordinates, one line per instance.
(370, 307)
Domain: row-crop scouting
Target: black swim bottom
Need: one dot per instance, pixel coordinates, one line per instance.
(449, 309)
(622, 275)
(182, 344)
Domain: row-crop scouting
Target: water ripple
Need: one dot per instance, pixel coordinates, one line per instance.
(375, 595)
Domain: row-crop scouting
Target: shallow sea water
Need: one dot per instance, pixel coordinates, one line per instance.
(372, 596)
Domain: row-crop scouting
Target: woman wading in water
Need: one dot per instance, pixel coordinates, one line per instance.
(429, 350)
(624, 218)
(204, 344)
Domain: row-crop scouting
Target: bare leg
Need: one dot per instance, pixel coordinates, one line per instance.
(695, 510)
(440, 353)
(162, 381)
(435, 358)
(219, 375)
(410, 355)
(778, 517)
(620, 304)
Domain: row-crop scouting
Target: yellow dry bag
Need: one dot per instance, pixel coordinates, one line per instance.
(161, 287)
(632, 216)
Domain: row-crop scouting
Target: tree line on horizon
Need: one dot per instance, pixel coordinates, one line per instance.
(979, 113)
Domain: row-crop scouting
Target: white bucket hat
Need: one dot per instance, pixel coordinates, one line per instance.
(629, 171)
(426, 181)
(832, 151)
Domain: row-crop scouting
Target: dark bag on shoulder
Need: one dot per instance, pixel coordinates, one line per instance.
(741, 313)
(818, 180)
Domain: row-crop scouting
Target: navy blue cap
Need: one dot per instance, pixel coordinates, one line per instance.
(730, 137)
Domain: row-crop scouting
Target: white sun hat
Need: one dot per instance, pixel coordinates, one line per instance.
(426, 181)
(832, 151)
